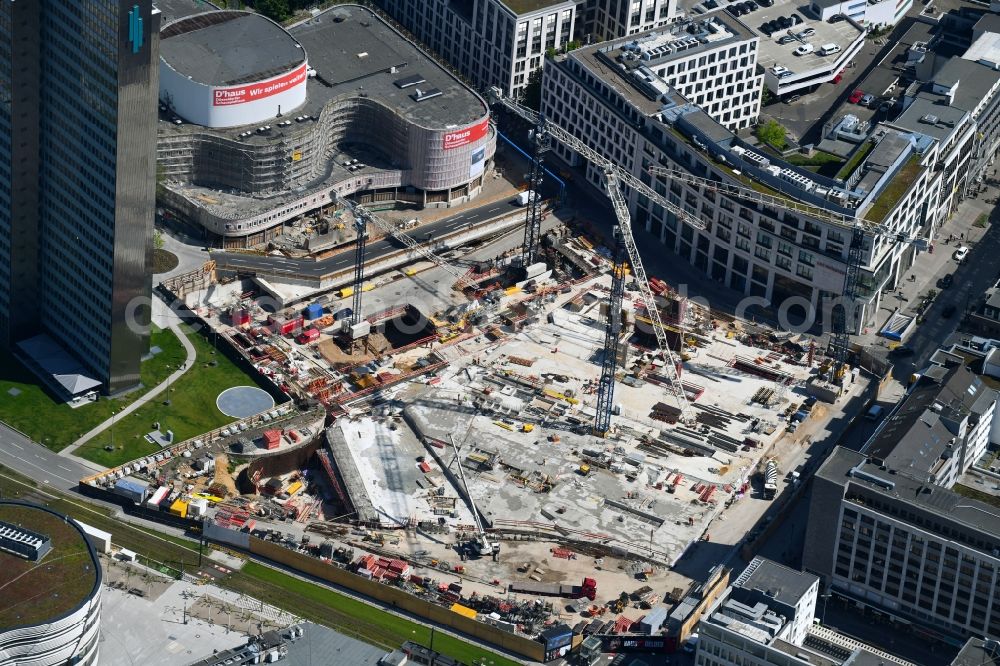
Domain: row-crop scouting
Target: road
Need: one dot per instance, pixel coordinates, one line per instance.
(375, 250)
(971, 280)
(34, 460)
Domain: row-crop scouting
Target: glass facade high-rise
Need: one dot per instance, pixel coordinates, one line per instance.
(78, 96)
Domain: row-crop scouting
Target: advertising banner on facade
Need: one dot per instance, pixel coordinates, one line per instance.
(464, 137)
(478, 162)
(254, 91)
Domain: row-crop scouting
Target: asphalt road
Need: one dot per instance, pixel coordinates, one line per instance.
(971, 280)
(375, 250)
(34, 460)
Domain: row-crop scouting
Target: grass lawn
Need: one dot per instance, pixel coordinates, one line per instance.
(368, 623)
(823, 163)
(192, 410)
(860, 153)
(895, 189)
(34, 412)
(980, 495)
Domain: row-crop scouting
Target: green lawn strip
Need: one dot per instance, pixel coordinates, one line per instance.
(344, 613)
(980, 495)
(859, 154)
(982, 221)
(192, 410)
(170, 549)
(895, 189)
(34, 412)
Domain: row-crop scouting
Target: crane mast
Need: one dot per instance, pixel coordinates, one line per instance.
(533, 216)
(612, 330)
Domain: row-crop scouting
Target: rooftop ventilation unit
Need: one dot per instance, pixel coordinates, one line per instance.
(424, 95)
(929, 119)
(408, 81)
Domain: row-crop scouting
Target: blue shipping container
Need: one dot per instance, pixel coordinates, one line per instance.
(313, 311)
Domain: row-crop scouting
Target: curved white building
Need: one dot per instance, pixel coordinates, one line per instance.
(381, 122)
(51, 580)
(230, 68)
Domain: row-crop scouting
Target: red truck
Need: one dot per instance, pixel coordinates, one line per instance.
(588, 589)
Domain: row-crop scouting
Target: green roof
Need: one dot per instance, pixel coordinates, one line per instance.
(525, 6)
(896, 189)
(36, 592)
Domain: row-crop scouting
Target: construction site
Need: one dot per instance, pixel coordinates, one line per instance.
(524, 431)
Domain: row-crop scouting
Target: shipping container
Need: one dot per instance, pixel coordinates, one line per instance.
(179, 508)
(464, 611)
(313, 311)
(308, 335)
(132, 488)
(160, 495)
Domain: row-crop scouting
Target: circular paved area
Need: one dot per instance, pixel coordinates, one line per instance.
(243, 401)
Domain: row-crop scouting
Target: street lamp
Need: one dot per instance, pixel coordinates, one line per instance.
(826, 598)
(112, 429)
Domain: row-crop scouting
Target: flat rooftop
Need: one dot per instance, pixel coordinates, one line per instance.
(601, 59)
(776, 580)
(981, 520)
(171, 10)
(335, 41)
(771, 53)
(38, 592)
(527, 6)
(226, 48)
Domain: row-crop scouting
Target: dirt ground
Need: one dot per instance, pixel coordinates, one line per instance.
(376, 345)
(222, 475)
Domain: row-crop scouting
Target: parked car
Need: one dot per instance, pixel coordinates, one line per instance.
(710, 4)
(808, 32)
(946, 281)
(948, 312)
(804, 50)
(792, 99)
(787, 39)
(837, 18)
(856, 96)
(765, 3)
(901, 351)
(837, 79)
(867, 100)
(960, 254)
(795, 19)
(785, 22)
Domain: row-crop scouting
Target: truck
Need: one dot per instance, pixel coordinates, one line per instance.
(588, 589)
(770, 479)
(524, 197)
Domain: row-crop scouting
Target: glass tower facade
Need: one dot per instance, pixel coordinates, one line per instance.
(78, 177)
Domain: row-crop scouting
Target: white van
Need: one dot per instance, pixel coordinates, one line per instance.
(804, 50)
(829, 49)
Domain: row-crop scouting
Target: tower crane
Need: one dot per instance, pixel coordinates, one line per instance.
(481, 544)
(363, 217)
(533, 216)
(616, 175)
(613, 327)
(841, 336)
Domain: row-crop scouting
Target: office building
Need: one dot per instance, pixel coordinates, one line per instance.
(905, 546)
(77, 187)
(247, 145)
(766, 618)
(636, 118)
(501, 42)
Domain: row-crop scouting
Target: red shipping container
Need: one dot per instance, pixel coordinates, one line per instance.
(272, 439)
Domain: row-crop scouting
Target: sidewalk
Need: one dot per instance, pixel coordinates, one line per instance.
(162, 316)
(929, 267)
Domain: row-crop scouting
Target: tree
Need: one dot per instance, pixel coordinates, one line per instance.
(532, 94)
(772, 133)
(158, 239)
(276, 10)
